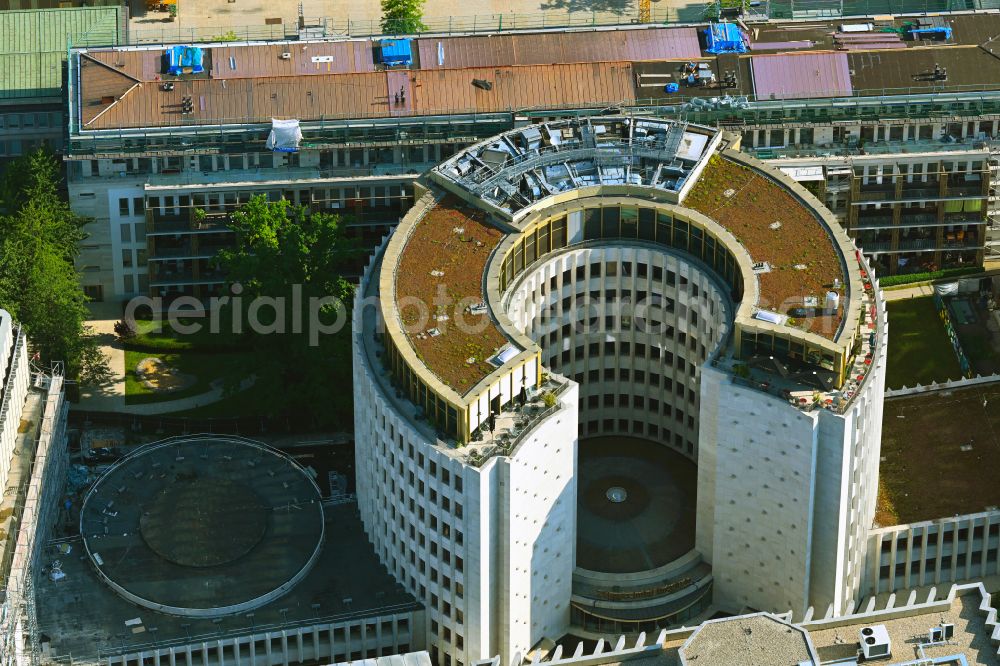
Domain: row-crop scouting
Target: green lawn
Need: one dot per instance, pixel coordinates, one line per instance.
(204, 355)
(919, 349)
(167, 340)
(204, 366)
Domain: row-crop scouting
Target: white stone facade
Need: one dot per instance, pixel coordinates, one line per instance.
(786, 497)
(651, 318)
(646, 338)
(488, 549)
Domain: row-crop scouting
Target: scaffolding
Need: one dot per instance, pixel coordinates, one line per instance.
(37, 500)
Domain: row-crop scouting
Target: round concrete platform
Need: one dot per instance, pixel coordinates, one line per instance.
(224, 521)
(203, 526)
(636, 504)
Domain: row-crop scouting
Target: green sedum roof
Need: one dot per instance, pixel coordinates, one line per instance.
(33, 45)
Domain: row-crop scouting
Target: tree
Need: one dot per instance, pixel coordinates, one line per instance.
(39, 284)
(402, 17)
(284, 249)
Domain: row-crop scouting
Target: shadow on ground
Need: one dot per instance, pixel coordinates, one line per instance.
(612, 6)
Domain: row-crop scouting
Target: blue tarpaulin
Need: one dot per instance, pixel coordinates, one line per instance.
(943, 31)
(185, 56)
(724, 38)
(396, 52)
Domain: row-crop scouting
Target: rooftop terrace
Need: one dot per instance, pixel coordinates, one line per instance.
(329, 80)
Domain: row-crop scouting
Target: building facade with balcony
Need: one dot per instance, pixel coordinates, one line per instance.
(141, 166)
(614, 277)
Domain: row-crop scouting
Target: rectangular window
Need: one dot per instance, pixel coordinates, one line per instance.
(123, 206)
(137, 206)
(126, 232)
(127, 260)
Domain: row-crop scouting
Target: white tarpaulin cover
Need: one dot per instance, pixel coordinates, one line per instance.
(285, 136)
(946, 289)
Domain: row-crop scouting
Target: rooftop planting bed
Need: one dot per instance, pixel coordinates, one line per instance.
(439, 281)
(776, 228)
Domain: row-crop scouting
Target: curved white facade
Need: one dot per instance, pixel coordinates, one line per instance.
(481, 526)
(632, 325)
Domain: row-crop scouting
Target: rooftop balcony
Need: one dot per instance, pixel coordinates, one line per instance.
(186, 251)
(807, 386)
(872, 148)
(173, 278)
(515, 423)
(185, 223)
(926, 244)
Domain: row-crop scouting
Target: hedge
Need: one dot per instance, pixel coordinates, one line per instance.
(893, 280)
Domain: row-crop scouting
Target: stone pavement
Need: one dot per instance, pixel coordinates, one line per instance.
(109, 397)
(905, 293)
(234, 14)
(182, 404)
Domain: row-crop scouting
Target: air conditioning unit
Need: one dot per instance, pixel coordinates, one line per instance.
(875, 643)
(949, 630)
(935, 635)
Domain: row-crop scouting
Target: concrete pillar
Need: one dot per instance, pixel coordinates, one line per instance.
(969, 548)
(876, 559)
(924, 549)
(909, 558)
(937, 556)
(284, 647)
(954, 549)
(892, 563)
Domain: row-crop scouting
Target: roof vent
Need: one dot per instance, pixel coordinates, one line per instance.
(285, 56)
(761, 267)
(770, 317)
(482, 84)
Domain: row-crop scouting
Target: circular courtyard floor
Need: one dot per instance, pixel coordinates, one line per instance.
(636, 503)
(203, 526)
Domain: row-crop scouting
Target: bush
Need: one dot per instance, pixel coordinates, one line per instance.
(549, 398)
(125, 330)
(894, 280)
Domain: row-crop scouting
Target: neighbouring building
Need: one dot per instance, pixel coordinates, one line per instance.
(894, 131)
(33, 48)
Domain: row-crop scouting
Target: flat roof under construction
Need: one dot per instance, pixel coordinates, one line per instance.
(203, 526)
